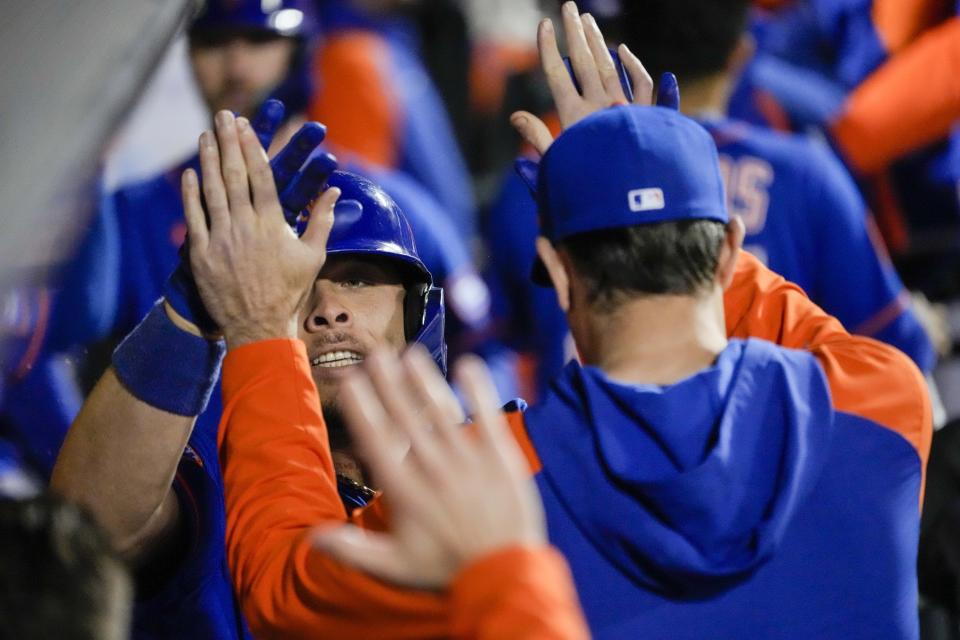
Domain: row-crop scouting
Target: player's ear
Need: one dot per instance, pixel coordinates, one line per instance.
(730, 251)
(556, 270)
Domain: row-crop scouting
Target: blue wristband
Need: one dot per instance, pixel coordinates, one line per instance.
(167, 367)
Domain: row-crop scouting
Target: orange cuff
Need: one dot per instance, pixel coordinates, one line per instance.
(517, 592)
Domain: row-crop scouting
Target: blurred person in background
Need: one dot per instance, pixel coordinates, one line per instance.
(60, 578)
(804, 217)
(877, 79)
(377, 98)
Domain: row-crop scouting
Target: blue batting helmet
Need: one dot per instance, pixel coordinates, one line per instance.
(368, 222)
(223, 19)
(289, 18)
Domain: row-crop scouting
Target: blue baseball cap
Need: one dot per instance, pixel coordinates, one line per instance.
(626, 166)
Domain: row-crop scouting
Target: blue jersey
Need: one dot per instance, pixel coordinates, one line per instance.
(806, 220)
(197, 600)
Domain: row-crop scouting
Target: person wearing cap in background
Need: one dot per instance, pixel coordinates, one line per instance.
(701, 481)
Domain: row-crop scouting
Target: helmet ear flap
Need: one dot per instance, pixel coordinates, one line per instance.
(425, 320)
(414, 309)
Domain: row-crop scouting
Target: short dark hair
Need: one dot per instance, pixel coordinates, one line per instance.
(692, 38)
(58, 576)
(678, 258)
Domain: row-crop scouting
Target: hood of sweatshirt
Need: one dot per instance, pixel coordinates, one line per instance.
(687, 488)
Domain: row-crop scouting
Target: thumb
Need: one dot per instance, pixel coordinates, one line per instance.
(533, 130)
(375, 553)
(321, 219)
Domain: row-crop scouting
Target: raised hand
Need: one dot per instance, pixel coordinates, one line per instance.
(592, 81)
(458, 495)
(297, 185)
(251, 269)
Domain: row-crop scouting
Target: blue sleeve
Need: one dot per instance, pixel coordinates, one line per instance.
(855, 279)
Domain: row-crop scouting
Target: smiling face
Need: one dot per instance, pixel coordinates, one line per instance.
(356, 305)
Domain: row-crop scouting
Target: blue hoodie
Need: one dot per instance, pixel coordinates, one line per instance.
(737, 503)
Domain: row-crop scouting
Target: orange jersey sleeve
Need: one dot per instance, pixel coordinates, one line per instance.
(899, 22)
(280, 486)
(911, 101)
(353, 97)
(866, 377)
(507, 593)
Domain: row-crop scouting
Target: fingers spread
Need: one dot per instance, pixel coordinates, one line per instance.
(213, 190)
(641, 80)
(475, 381)
(232, 165)
(321, 219)
(410, 491)
(391, 386)
(533, 130)
(289, 159)
(561, 84)
(581, 59)
(438, 402)
(258, 171)
(365, 417)
(267, 120)
(307, 184)
(197, 233)
(606, 67)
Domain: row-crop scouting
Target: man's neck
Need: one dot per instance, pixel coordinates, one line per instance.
(658, 340)
(706, 97)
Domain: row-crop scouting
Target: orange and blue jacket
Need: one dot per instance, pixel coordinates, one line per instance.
(827, 519)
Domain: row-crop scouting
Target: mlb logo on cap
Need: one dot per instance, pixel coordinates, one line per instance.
(625, 166)
(646, 199)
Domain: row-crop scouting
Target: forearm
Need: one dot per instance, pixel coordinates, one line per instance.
(118, 460)
(762, 304)
(280, 484)
(123, 449)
